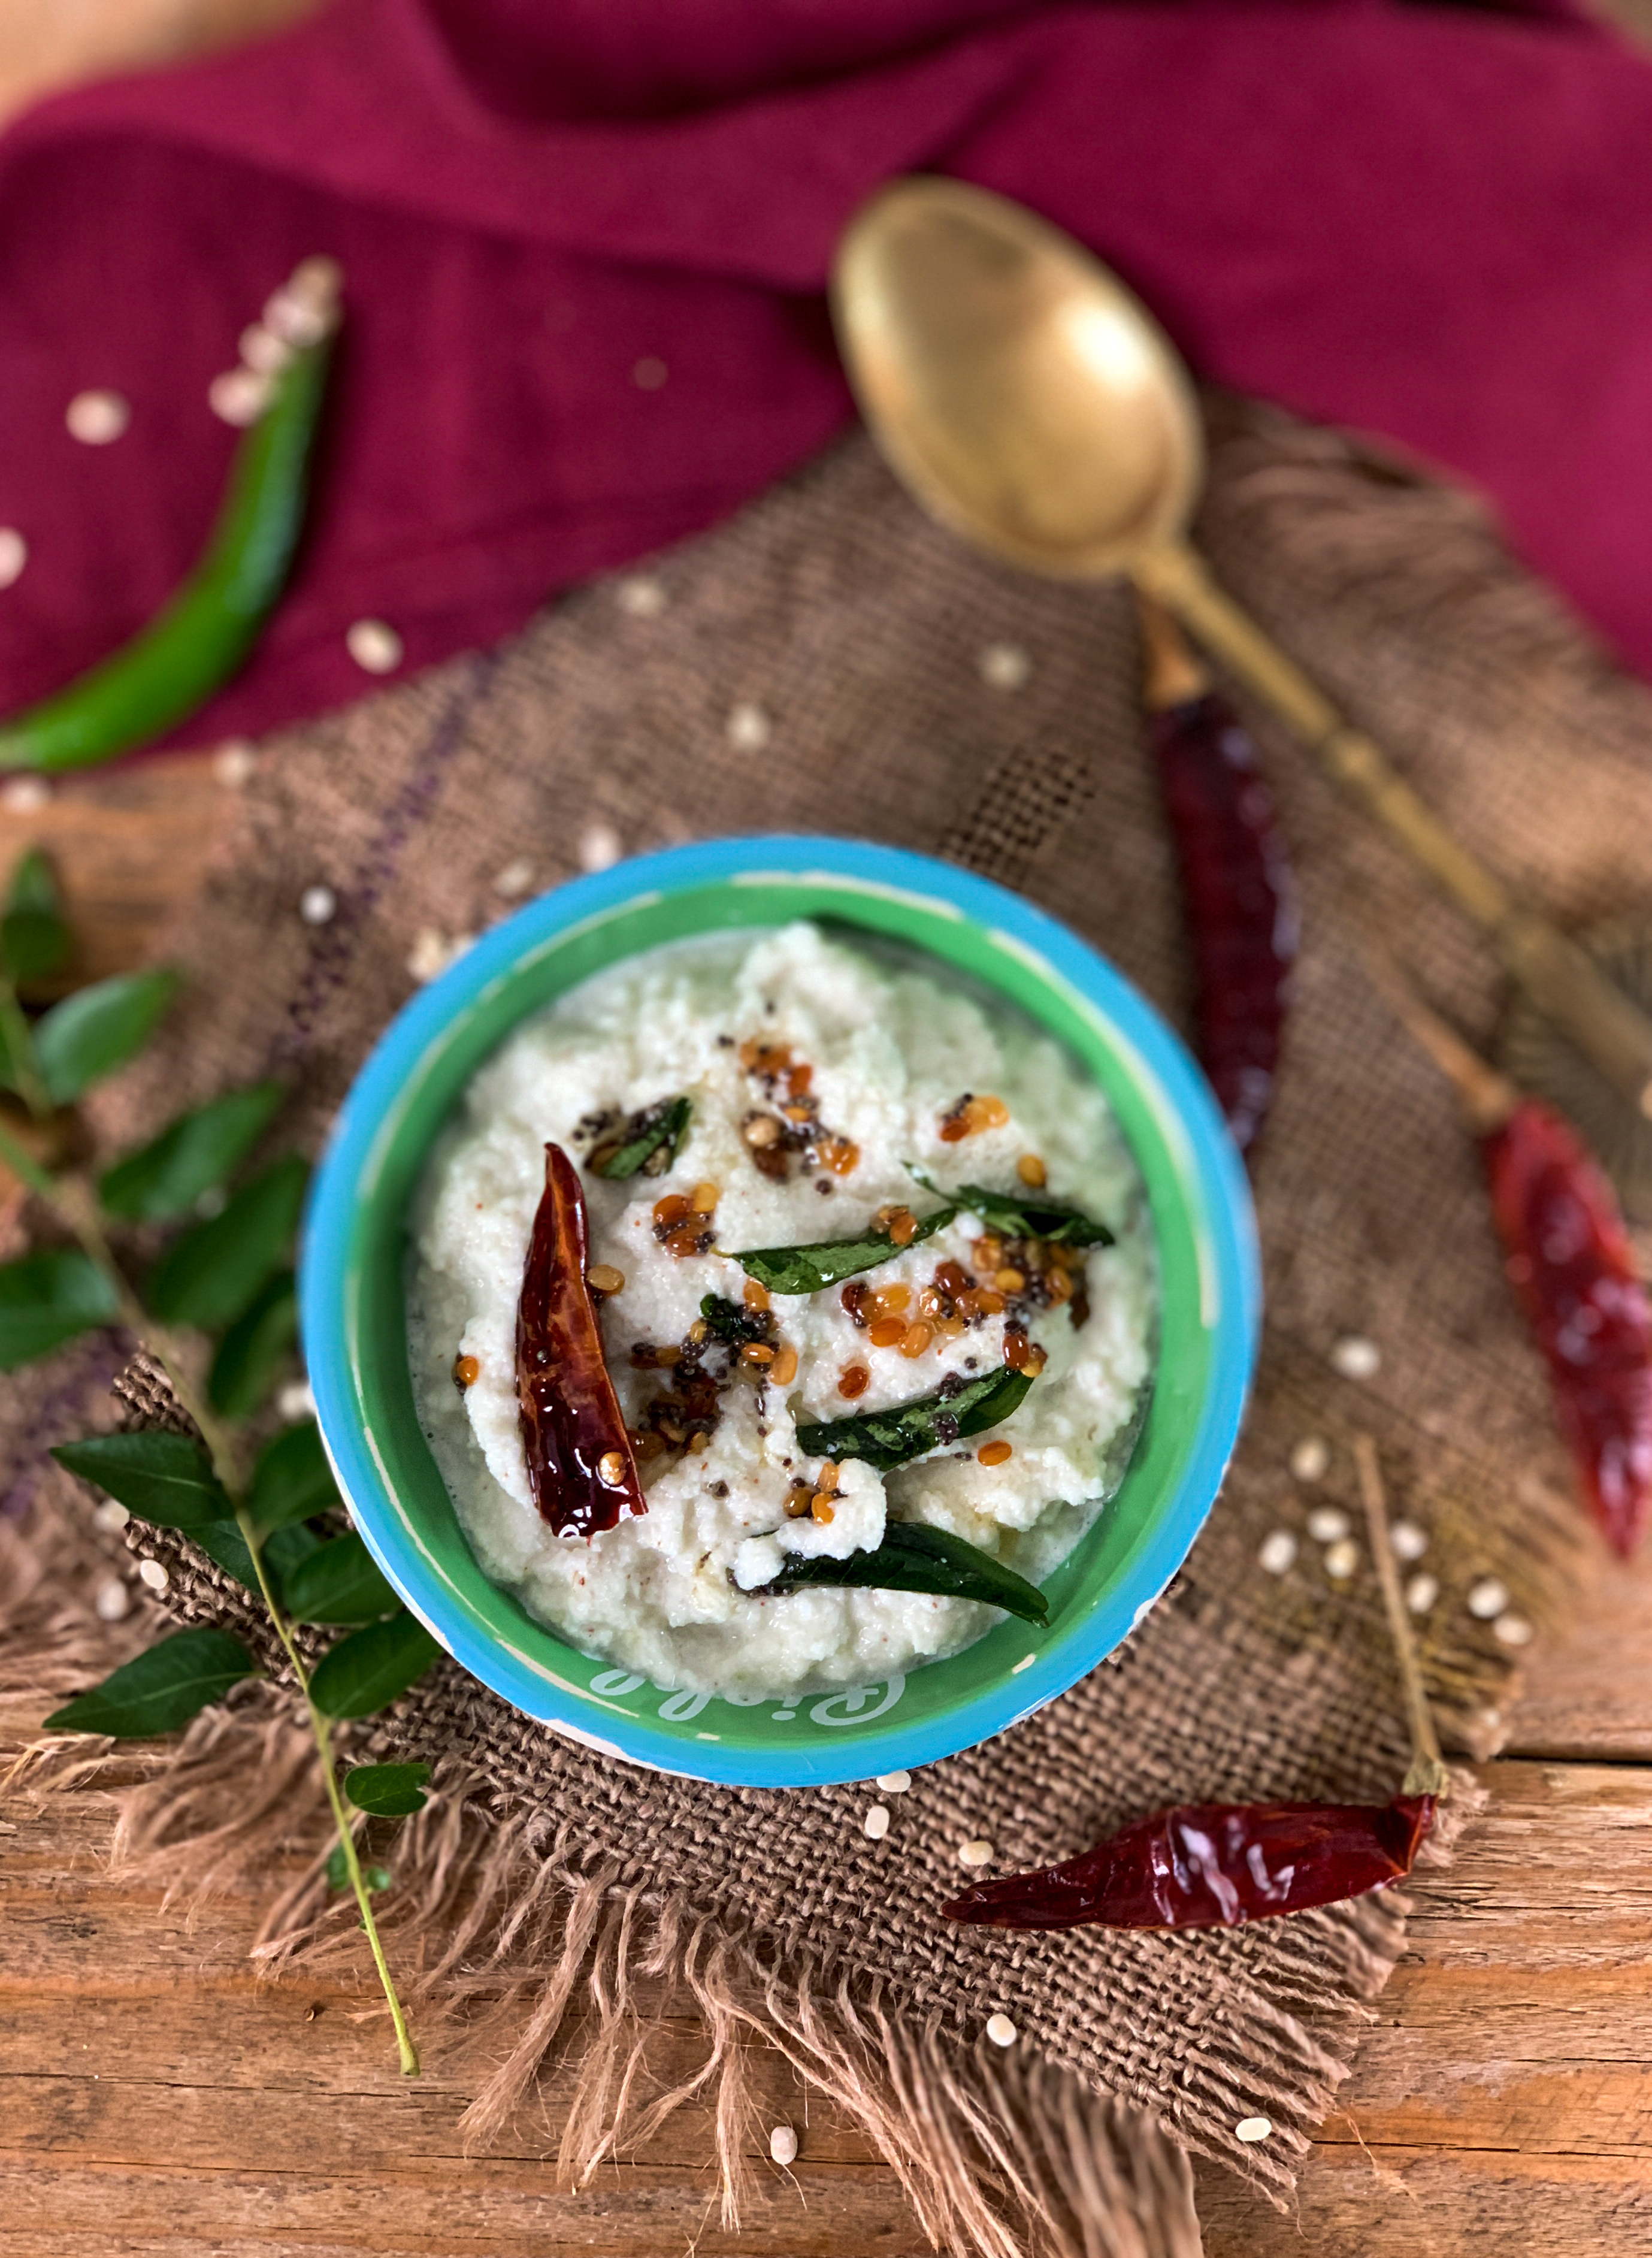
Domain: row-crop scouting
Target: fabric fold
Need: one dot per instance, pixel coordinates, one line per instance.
(586, 249)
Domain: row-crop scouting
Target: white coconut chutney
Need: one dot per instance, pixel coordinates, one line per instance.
(820, 1077)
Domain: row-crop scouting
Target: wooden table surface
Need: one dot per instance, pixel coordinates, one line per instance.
(158, 2101)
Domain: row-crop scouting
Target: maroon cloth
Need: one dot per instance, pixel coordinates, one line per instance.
(1433, 225)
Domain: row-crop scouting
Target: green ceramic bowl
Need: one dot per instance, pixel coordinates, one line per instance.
(355, 1329)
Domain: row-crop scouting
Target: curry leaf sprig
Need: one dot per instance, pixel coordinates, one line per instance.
(267, 1518)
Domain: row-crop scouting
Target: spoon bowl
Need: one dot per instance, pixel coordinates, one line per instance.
(1020, 390)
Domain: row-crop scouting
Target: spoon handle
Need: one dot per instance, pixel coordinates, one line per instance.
(1564, 983)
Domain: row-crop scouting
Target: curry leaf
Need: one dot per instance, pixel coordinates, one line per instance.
(809, 1269)
(374, 1877)
(1018, 1217)
(221, 1541)
(195, 1153)
(212, 1275)
(34, 939)
(163, 1479)
(388, 1790)
(160, 1690)
(46, 1299)
(90, 1033)
(648, 1140)
(16, 1062)
(916, 1557)
(889, 1439)
(340, 1583)
(366, 1671)
(255, 1348)
(292, 1479)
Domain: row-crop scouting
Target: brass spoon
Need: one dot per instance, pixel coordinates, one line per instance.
(1032, 404)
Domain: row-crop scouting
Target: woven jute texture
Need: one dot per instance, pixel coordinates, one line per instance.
(859, 630)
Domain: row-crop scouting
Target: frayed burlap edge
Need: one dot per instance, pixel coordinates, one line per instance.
(508, 1930)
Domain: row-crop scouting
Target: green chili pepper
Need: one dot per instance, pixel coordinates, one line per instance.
(199, 639)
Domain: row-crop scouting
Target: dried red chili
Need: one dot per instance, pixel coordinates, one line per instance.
(1569, 1260)
(580, 1466)
(1212, 1865)
(1237, 885)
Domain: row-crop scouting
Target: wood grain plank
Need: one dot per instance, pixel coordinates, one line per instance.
(156, 2095)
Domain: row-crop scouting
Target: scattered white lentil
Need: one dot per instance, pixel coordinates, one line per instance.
(782, 2145)
(298, 317)
(1005, 666)
(1488, 1598)
(1253, 2128)
(212, 1202)
(154, 1574)
(514, 880)
(648, 373)
(113, 1602)
(429, 954)
(600, 847)
(318, 905)
(295, 1402)
(894, 1783)
(977, 1853)
(239, 397)
(14, 554)
(25, 795)
(1409, 1542)
(641, 596)
(1001, 2031)
(1310, 1459)
(876, 1822)
(1328, 1524)
(316, 281)
(1421, 1592)
(748, 729)
(1342, 1559)
(374, 645)
(1357, 1358)
(96, 418)
(1278, 1552)
(108, 1516)
(263, 351)
(1513, 1630)
(233, 764)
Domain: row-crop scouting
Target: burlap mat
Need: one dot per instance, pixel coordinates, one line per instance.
(858, 630)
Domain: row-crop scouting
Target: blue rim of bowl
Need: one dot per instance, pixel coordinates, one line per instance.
(1228, 1245)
